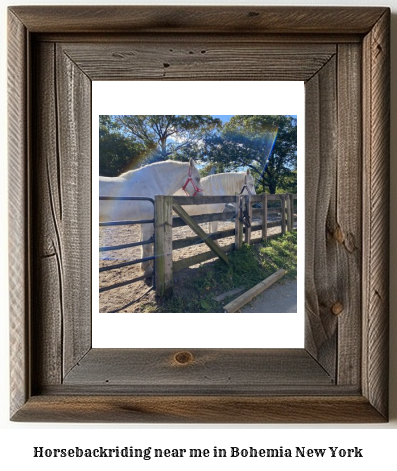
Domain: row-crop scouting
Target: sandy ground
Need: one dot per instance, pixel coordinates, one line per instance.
(122, 299)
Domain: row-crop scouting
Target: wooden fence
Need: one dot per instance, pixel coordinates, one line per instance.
(272, 211)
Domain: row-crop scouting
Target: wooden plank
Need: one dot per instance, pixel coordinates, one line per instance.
(148, 369)
(134, 60)
(289, 213)
(19, 224)
(189, 241)
(247, 230)
(202, 257)
(197, 200)
(273, 197)
(321, 275)
(245, 298)
(283, 214)
(376, 222)
(226, 216)
(238, 224)
(199, 19)
(197, 229)
(264, 217)
(214, 408)
(70, 171)
(199, 219)
(348, 221)
(163, 245)
(47, 341)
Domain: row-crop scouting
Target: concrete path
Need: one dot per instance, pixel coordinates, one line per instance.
(280, 297)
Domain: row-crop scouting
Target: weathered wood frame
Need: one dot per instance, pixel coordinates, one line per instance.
(343, 56)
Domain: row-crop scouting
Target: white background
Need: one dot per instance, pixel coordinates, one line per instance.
(156, 330)
(378, 441)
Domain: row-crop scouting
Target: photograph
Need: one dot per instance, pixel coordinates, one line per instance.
(220, 257)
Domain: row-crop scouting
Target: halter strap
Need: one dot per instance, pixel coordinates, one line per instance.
(246, 187)
(190, 179)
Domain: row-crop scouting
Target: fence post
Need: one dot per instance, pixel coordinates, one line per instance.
(264, 217)
(247, 230)
(163, 245)
(282, 198)
(238, 242)
(294, 209)
(289, 212)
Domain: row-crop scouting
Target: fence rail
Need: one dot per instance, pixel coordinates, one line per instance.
(281, 206)
(271, 210)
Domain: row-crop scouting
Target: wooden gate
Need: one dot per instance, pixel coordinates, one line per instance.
(280, 207)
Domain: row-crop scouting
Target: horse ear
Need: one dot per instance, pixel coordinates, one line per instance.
(248, 171)
(191, 162)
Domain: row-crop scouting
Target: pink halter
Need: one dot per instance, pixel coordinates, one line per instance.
(190, 179)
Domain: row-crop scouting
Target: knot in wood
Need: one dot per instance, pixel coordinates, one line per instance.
(183, 358)
(338, 235)
(337, 308)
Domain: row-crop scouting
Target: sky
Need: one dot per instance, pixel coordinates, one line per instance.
(226, 117)
(223, 117)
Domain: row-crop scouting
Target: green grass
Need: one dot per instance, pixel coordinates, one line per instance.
(247, 267)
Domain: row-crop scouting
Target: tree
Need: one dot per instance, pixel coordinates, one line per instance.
(117, 153)
(165, 137)
(265, 144)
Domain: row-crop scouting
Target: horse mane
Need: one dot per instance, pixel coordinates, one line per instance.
(231, 182)
(153, 165)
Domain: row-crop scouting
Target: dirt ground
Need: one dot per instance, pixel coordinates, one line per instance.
(132, 297)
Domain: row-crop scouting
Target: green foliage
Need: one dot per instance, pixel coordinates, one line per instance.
(265, 144)
(165, 137)
(281, 253)
(117, 153)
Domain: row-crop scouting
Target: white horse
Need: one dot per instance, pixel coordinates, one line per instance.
(220, 184)
(161, 178)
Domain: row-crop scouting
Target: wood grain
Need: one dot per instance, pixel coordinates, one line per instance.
(163, 245)
(376, 110)
(73, 90)
(54, 54)
(246, 297)
(19, 224)
(206, 60)
(48, 245)
(62, 256)
(320, 266)
(199, 409)
(156, 370)
(347, 225)
(199, 19)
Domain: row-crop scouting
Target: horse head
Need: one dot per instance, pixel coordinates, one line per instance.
(249, 184)
(193, 186)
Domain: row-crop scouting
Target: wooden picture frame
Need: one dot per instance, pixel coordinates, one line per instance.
(342, 54)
